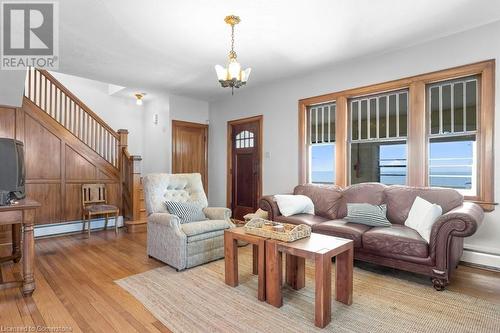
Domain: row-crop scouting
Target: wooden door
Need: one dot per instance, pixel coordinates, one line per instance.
(245, 165)
(190, 149)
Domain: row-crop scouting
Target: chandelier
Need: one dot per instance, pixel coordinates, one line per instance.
(232, 76)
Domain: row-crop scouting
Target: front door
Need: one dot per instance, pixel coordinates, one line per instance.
(245, 165)
(189, 149)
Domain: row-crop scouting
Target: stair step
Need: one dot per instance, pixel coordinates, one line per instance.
(136, 226)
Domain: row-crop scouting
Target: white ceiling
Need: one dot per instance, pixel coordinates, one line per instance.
(174, 45)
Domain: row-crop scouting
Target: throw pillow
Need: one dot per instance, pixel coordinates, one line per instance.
(294, 204)
(364, 213)
(186, 211)
(422, 216)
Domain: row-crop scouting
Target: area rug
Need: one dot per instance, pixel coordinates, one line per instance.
(197, 300)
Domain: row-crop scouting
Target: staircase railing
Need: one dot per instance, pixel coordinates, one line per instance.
(59, 103)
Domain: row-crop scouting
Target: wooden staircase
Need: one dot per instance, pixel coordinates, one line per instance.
(93, 143)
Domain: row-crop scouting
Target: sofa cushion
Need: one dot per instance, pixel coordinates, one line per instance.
(289, 204)
(308, 219)
(201, 227)
(396, 239)
(342, 228)
(326, 198)
(399, 200)
(372, 193)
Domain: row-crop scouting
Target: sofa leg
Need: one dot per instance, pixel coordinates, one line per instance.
(439, 284)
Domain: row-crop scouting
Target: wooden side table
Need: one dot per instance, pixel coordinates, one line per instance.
(231, 237)
(27, 207)
(321, 249)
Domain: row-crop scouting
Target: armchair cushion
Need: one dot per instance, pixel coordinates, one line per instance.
(202, 227)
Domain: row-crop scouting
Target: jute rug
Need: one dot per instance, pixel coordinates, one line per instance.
(198, 300)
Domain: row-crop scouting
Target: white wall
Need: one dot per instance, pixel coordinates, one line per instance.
(117, 111)
(278, 103)
(156, 156)
(12, 87)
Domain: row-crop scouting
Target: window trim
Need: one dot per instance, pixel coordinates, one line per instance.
(417, 136)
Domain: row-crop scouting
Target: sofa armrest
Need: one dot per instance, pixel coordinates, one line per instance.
(217, 213)
(461, 221)
(268, 204)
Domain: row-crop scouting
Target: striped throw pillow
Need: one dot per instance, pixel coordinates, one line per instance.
(367, 214)
(186, 211)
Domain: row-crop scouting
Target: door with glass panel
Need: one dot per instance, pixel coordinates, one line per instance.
(378, 132)
(245, 165)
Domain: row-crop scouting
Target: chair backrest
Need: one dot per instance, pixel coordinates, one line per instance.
(93, 193)
(180, 187)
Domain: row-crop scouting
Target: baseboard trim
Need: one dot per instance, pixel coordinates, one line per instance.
(481, 259)
(46, 230)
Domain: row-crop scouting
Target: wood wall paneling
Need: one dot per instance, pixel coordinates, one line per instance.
(50, 195)
(7, 123)
(42, 151)
(77, 167)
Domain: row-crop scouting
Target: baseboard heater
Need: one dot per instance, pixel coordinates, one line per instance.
(46, 230)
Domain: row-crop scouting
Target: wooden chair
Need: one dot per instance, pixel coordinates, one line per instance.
(94, 204)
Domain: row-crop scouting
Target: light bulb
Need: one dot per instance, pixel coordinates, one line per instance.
(234, 69)
(138, 101)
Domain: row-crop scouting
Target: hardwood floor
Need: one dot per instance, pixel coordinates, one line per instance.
(76, 290)
(75, 287)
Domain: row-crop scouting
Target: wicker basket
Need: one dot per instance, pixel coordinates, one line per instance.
(292, 232)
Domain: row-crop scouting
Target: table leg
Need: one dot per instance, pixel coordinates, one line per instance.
(323, 290)
(230, 259)
(16, 242)
(28, 252)
(343, 277)
(255, 261)
(273, 274)
(295, 271)
(261, 269)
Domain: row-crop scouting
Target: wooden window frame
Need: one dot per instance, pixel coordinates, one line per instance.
(417, 136)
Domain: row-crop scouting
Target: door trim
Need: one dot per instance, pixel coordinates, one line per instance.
(229, 167)
(180, 123)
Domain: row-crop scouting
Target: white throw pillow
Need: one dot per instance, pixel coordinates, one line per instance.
(422, 216)
(294, 204)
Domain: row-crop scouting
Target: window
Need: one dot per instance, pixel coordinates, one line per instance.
(433, 129)
(244, 139)
(321, 140)
(452, 114)
(379, 127)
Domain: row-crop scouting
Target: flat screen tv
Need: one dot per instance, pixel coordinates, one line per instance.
(12, 171)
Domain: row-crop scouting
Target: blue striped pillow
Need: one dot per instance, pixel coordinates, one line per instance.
(186, 211)
(367, 214)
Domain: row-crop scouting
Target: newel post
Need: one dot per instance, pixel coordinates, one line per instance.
(123, 133)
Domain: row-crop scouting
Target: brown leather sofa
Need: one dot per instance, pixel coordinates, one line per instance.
(396, 246)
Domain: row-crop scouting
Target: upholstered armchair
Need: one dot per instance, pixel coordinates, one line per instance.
(182, 245)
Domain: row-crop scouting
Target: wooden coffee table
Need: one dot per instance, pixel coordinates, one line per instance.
(321, 249)
(231, 237)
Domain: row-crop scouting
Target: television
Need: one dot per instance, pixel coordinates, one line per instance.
(12, 171)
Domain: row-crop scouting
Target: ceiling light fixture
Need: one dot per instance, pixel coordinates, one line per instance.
(232, 76)
(138, 98)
